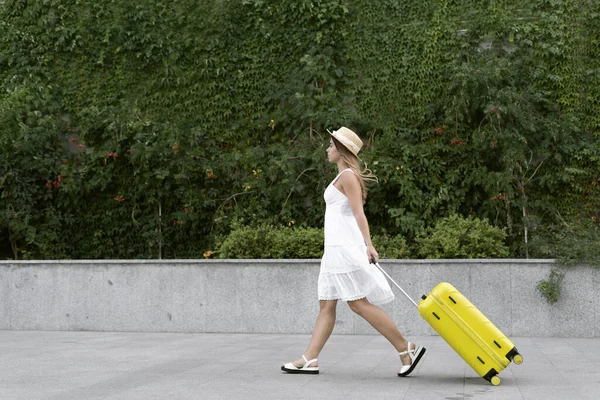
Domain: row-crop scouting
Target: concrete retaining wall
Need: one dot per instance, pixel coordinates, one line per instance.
(277, 296)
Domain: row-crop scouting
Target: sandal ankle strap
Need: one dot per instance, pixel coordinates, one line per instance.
(307, 361)
(408, 351)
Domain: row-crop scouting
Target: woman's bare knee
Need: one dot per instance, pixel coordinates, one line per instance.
(328, 306)
(358, 306)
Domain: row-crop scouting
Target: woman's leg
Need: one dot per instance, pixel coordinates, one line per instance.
(384, 324)
(322, 331)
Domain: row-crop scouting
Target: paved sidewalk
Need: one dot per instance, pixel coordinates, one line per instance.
(145, 366)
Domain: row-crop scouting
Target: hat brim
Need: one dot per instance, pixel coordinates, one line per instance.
(342, 143)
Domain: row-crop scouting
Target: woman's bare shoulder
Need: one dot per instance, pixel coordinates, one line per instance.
(349, 178)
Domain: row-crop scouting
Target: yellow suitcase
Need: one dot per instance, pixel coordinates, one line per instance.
(477, 340)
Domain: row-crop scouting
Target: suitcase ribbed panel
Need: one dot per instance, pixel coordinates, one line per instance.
(479, 343)
(502, 346)
(467, 328)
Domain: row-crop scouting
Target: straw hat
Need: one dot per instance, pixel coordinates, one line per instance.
(348, 138)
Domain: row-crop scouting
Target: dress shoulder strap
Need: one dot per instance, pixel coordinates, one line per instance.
(340, 174)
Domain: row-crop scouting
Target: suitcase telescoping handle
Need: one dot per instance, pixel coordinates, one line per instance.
(398, 286)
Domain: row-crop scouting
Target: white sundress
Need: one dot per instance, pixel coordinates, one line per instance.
(346, 273)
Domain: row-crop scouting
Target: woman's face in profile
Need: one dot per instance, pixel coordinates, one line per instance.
(333, 155)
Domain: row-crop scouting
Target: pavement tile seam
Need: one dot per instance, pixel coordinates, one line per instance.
(362, 380)
(558, 365)
(159, 372)
(509, 368)
(178, 370)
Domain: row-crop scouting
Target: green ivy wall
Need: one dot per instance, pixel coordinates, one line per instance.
(151, 129)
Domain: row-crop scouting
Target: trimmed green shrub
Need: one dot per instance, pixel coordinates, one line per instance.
(267, 241)
(459, 237)
(391, 246)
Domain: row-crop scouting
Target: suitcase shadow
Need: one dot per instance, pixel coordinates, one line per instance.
(445, 379)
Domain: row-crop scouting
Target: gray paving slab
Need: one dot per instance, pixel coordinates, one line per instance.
(69, 365)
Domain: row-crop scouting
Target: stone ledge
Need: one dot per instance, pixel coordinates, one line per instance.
(277, 296)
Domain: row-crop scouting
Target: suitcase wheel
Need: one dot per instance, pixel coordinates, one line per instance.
(518, 359)
(514, 356)
(495, 380)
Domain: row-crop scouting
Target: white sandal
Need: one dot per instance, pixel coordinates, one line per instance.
(415, 356)
(305, 369)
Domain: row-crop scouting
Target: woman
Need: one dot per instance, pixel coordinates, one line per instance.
(346, 273)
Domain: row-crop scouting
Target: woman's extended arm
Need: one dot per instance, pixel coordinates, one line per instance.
(352, 190)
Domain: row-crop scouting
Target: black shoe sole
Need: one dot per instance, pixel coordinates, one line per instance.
(299, 371)
(414, 364)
